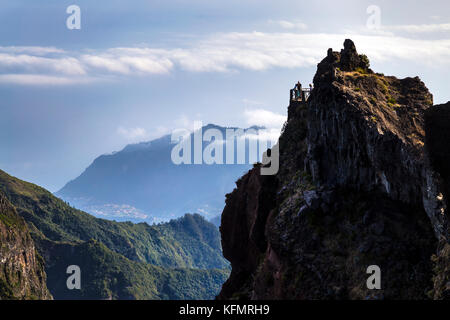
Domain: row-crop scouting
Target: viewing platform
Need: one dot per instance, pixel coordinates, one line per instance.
(299, 95)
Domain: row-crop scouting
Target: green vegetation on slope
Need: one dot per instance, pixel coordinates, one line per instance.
(168, 245)
(108, 275)
(180, 259)
(22, 273)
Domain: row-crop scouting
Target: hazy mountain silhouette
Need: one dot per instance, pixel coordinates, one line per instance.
(141, 182)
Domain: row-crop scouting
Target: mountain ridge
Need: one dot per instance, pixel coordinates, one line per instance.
(121, 260)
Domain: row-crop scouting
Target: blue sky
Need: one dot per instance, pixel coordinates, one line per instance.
(137, 70)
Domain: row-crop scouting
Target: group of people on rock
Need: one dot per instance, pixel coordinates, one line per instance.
(299, 93)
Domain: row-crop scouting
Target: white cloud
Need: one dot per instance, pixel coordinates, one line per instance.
(43, 80)
(264, 135)
(224, 52)
(106, 63)
(113, 210)
(421, 28)
(408, 29)
(31, 50)
(150, 64)
(264, 118)
(67, 65)
(160, 131)
(289, 24)
(272, 122)
(252, 103)
(131, 61)
(183, 121)
(133, 134)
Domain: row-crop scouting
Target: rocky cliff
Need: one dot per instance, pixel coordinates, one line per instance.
(363, 180)
(22, 274)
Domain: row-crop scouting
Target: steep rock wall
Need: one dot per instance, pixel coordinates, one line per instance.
(22, 274)
(355, 188)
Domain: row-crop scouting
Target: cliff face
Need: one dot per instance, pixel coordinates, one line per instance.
(356, 188)
(243, 237)
(437, 145)
(438, 151)
(22, 274)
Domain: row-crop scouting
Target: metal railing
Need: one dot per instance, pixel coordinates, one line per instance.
(299, 95)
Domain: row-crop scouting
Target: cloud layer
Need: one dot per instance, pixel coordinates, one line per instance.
(224, 52)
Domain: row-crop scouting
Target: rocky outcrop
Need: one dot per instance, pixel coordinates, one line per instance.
(356, 188)
(437, 144)
(22, 274)
(247, 228)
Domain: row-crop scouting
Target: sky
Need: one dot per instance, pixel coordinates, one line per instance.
(137, 70)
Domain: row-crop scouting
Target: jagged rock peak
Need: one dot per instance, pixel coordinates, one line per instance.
(350, 60)
(347, 59)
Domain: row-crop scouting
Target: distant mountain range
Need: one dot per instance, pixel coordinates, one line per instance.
(141, 183)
